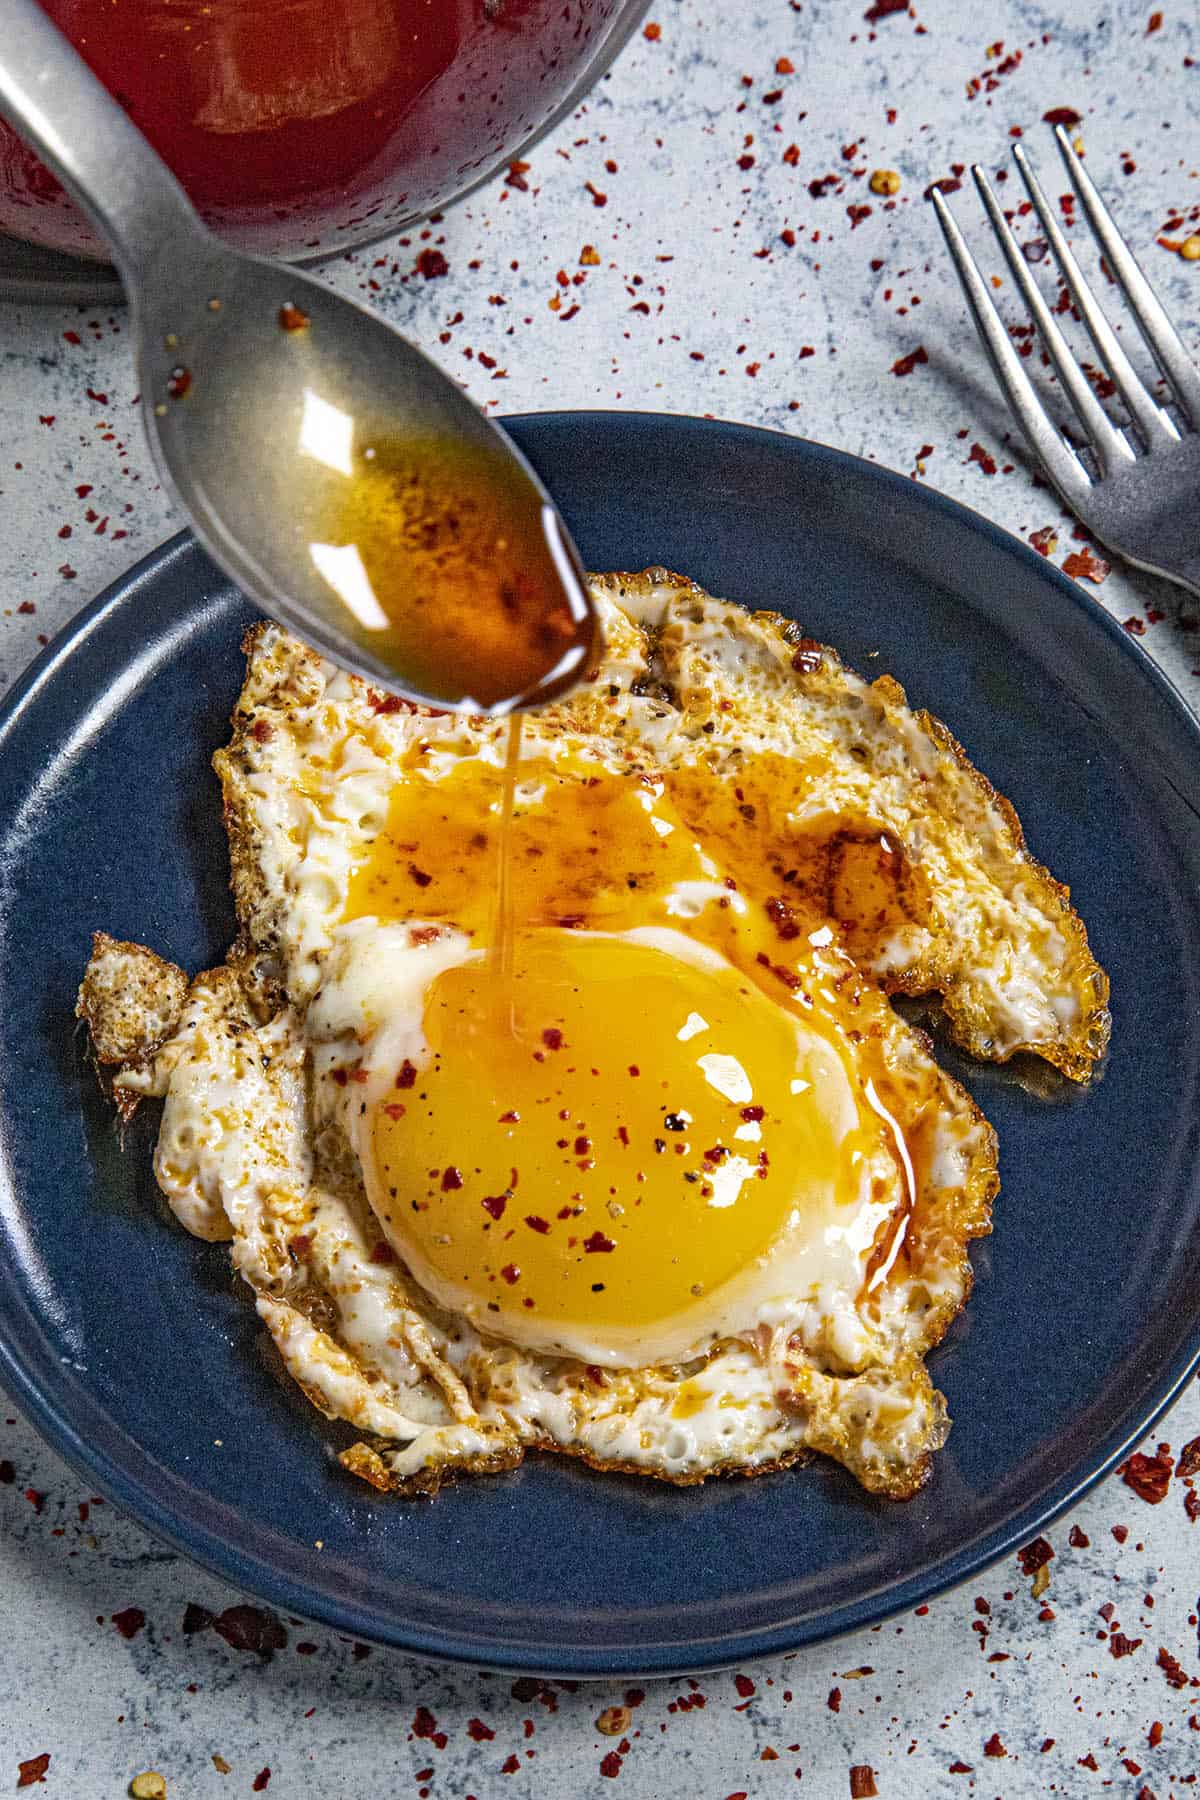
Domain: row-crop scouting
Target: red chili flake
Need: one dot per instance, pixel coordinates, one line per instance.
(978, 454)
(745, 162)
(808, 654)
(292, 319)
(1154, 1736)
(389, 703)
(33, 1770)
(1078, 1540)
(785, 66)
(510, 1273)
(1172, 1668)
(598, 199)
(383, 1255)
(791, 157)
(494, 1204)
(821, 186)
(1085, 565)
(552, 1038)
(451, 1180)
(35, 1499)
(961, 1768)
(598, 1242)
(395, 1110)
(431, 264)
(1133, 1767)
(994, 1747)
(882, 9)
(251, 1628)
(1189, 1458)
(1045, 540)
(1154, 23)
(862, 1782)
(856, 215)
(834, 1700)
(47, 418)
(1048, 1745)
(1034, 1555)
(260, 1780)
(1191, 1503)
(1149, 1476)
(196, 1618)
(1088, 1761)
(1120, 1645)
(904, 365)
(783, 917)
(652, 32)
(420, 876)
(1061, 115)
(479, 1731)
(408, 1074)
(744, 1686)
(130, 1621)
(610, 1765)
(67, 572)
(536, 1224)
(425, 1725)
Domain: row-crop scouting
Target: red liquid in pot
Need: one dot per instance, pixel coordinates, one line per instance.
(306, 125)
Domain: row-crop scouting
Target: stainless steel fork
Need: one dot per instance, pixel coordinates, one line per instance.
(1143, 497)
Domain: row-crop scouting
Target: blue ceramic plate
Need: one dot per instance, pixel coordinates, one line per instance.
(132, 1348)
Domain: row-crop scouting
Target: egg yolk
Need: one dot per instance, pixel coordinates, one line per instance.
(610, 1137)
(660, 1097)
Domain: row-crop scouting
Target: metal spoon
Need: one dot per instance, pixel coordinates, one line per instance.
(333, 471)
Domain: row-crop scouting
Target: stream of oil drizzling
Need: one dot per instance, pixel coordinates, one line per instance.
(501, 951)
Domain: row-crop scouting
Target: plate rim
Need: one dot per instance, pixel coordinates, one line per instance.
(48, 1408)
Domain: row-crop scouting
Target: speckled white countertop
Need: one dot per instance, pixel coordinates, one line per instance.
(740, 266)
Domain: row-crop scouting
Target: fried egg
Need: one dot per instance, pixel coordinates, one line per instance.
(658, 1177)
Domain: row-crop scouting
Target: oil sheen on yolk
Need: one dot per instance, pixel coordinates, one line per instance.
(610, 1144)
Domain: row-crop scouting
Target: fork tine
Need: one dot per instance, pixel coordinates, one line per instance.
(1108, 443)
(1162, 340)
(1047, 444)
(1151, 421)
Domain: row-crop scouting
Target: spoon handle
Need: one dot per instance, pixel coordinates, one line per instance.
(50, 96)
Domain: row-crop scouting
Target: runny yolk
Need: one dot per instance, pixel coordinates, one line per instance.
(608, 1141)
(609, 1137)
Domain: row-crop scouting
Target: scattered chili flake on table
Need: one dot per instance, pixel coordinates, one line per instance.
(130, 1621)
(652, 31)
(1035, 1555)
(987, 462)
(260, 1780)
(904, 365)
(994, 1746)
(1061, 115)
(1149, 1476)
(1172, 1668)
(33, 1770)
(431, 264)
(1154, 23)
(1085, 565)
